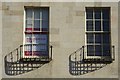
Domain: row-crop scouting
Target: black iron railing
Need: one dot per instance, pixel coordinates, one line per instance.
(17, 54)
(16, 64)
(77, 55)
(79, 64)
(14, 55)
(81, 54)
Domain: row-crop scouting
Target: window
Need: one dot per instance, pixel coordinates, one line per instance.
(98, 31)
(36, 32)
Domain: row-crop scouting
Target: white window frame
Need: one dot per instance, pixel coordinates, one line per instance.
(93, 32)
(24, 26)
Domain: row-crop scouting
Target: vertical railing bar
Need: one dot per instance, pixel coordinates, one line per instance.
(113, 52)
(51, 51)
(20, 51)
(83, 52)
(17, 54)
(11, 57)
(75, 62)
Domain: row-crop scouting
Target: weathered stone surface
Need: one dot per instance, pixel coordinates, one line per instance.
(67, 34)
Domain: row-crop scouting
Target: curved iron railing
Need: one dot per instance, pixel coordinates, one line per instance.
(79, 64)
(77, 55)
(15, 64)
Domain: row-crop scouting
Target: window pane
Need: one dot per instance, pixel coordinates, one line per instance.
(105, 13)
(98, 50)
(45, 14)
(28, 13)
(97, 25)
(39, 48)
(98, 38)
(28, 38)
(106, 39)
(45, 25)
(90, 38)
(98, 14)
(29, 25)
(89, 13)
(106, 50)
(36, 25)
(28, 50)
(39, 39)
(89, 25)
(90, 50)
(106, 26)
(37, 13)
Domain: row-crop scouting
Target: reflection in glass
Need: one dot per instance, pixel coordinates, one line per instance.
(28, 25)
(37, 13)
(28, 38)
(40, 39)
(36, 25)
(39, 47)
(28, 13)
(45, 14)
(45, 25)
(28, 50)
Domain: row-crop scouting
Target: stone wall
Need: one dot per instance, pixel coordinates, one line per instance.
(67, 34)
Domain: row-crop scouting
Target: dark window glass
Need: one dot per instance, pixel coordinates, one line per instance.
(98, 14)
(98, 50)
(90, 50)
(45, 14)
(106, 26)
(97, 25)
(89, 25)
(98, 38)
(90, 38)
(89, 13)
(106, 50)
(105, 13)
(45, 25)
(106, 39)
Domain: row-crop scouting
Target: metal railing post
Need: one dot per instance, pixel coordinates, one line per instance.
(51, 51)
(11, 57)
(20, 51)
(113, 52)
(83, 52)
(17, 55)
